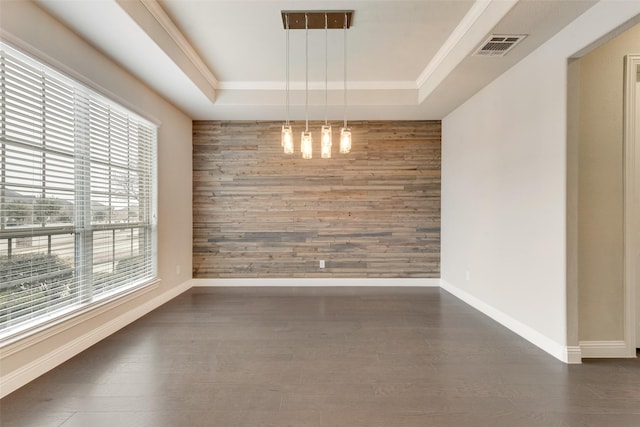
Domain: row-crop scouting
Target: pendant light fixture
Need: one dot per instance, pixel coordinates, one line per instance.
(287, 132)
(325, 131)
(345, 132)
(316, 19)
(306, 144)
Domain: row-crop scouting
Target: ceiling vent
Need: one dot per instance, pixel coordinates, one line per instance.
(499, 44)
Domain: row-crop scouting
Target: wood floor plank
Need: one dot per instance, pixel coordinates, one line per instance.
(323, 357)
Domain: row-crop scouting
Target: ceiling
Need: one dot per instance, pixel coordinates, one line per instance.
(225, 59)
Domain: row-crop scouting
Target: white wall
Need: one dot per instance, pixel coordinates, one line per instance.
(24, 23)
(504, 199)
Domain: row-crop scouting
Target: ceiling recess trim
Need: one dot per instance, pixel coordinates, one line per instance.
(474, 26)
(171, 40)
(334, 19)
(176, 35)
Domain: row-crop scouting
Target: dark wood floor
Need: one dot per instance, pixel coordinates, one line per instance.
(414, 357)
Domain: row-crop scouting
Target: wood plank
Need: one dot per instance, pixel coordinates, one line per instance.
(374, 212)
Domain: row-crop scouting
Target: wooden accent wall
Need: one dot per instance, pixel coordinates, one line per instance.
(260, 213)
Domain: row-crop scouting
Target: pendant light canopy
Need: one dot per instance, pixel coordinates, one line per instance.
(311, 20)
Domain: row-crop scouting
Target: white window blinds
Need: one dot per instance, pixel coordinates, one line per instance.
(77, 199)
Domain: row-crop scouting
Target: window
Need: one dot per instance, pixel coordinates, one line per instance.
(77, 199)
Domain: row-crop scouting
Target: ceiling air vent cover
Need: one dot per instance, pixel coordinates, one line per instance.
(499, 44)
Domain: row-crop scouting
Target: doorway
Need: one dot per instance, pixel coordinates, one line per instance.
(632, 199)
(637, 198)
(607, 209)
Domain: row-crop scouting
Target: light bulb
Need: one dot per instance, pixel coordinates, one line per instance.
(287, 139)
(306, 145)
(325, 142)
(345, 140)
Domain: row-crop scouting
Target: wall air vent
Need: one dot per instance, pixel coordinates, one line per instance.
(499, 44)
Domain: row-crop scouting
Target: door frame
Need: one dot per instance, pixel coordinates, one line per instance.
(631, 230)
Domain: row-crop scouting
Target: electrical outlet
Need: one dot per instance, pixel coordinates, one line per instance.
(321, 263)
(178, 269)
(467, 275)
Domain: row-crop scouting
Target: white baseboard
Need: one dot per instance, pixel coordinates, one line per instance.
(46, 362)
(566, 354)
(310, 282)
(606, 349)
(574, 354)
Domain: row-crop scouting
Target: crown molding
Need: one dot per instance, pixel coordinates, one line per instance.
(194, 66)
(176, 35)
(300, 85)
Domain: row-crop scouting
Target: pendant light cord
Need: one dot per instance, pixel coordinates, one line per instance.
(287, 71)
(326, 60)
(306, 67)
(345, 69)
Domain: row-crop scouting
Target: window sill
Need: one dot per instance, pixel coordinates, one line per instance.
(42, 331)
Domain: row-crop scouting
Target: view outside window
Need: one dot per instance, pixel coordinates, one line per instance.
(77, 204)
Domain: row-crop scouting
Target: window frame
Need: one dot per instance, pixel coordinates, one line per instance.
(83, 227)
